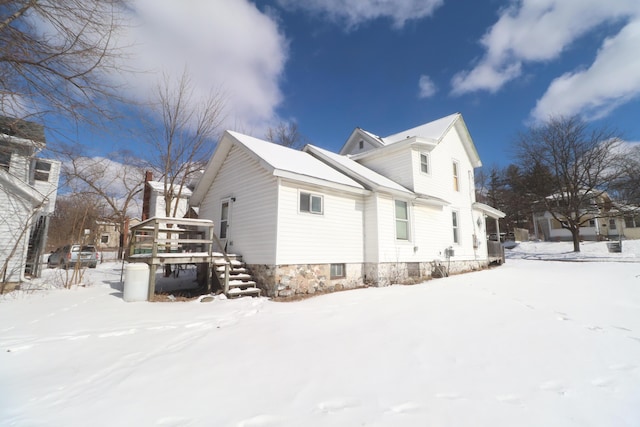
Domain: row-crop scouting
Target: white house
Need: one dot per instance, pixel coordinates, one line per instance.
(383, 210)
(28, 188)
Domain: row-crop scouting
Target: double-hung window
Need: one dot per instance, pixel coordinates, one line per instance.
(402, 220)
(424, 162)
(42, 171)
(311, 203)
(5, 159)
(455, 222)
(456, 176)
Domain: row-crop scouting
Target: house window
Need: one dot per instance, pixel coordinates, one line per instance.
(456, 176)
(42, 171)
(224, 219)
(337, 271)
(455, 223)
(424, 162)
(592, 223)
(311, 203)
(632, 222)
(361, 144)
(612, 224)
(5, 159)
(402, 220)
(104, 239)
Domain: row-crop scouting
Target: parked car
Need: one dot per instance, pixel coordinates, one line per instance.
(67, 256)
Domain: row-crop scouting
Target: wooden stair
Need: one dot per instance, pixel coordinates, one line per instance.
(240, 282)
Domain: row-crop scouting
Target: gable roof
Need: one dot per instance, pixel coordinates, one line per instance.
(158, 187)
(428, 135)
(355, 170)
(277, 160)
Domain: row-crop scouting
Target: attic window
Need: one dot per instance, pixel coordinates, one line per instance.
(5, 159)
(42, 171)
(361, 144)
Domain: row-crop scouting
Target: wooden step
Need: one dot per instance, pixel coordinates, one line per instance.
(235, 276)
(241, 283)
(237, 292)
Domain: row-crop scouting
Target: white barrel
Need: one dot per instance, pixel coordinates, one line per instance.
(136, 282)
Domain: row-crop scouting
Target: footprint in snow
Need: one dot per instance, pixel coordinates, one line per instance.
(448, 396)
(622, 328)
(509, 398)
(337, 405)
(595, 328)
(554, 386)
(602, 382)
(404, 408)
(259, 421)
(117, 333)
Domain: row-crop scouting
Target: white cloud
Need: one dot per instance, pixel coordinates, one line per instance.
(228, 46)
(355, 12)
(536, 31)
(426, 86)
(612, 79)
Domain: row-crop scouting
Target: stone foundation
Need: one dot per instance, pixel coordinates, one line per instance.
(296, 279)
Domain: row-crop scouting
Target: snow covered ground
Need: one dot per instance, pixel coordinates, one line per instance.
(531, 343)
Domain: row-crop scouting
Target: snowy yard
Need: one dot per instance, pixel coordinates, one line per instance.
(531, 343)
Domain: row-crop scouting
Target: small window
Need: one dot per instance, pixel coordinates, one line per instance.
(455, 222)
(5, 160)
(612, 224)
(311, 203)
(456, 179)
(424, 162)
(361, 144)
(104, 239)
(592, 223)
(402, 220)
(42, 171)
(337, 271)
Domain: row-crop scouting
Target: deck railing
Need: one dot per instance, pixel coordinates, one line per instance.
(161, 240)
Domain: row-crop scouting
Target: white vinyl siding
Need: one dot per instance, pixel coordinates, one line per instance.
(336, 236)
(253, 222)
(394, 165)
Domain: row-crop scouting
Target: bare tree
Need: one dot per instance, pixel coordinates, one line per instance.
(286, 134)
(581, 163)
(182, 142)
(115, 181)
(54, 55)
(73, 214)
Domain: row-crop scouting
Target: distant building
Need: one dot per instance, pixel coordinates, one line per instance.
(28, 189)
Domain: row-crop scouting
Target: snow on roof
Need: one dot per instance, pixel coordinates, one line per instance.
(159, 187)
(432, 130)
(361, 171)
(294, 161)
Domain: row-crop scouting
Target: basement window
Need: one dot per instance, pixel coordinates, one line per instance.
(337, 271)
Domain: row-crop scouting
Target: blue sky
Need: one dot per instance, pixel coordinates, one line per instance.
(386, 66)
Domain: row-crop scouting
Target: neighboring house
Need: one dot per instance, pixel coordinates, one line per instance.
(154, 203)
(107, 236)
(605, 220)
(384, 210)
(28, 188)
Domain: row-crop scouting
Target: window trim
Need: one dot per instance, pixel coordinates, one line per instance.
(5, 159)
(427, 163)
(41, 173)
(311, 196)
(341, 274)
(455, 225)
(456, 175)
(405, 221)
